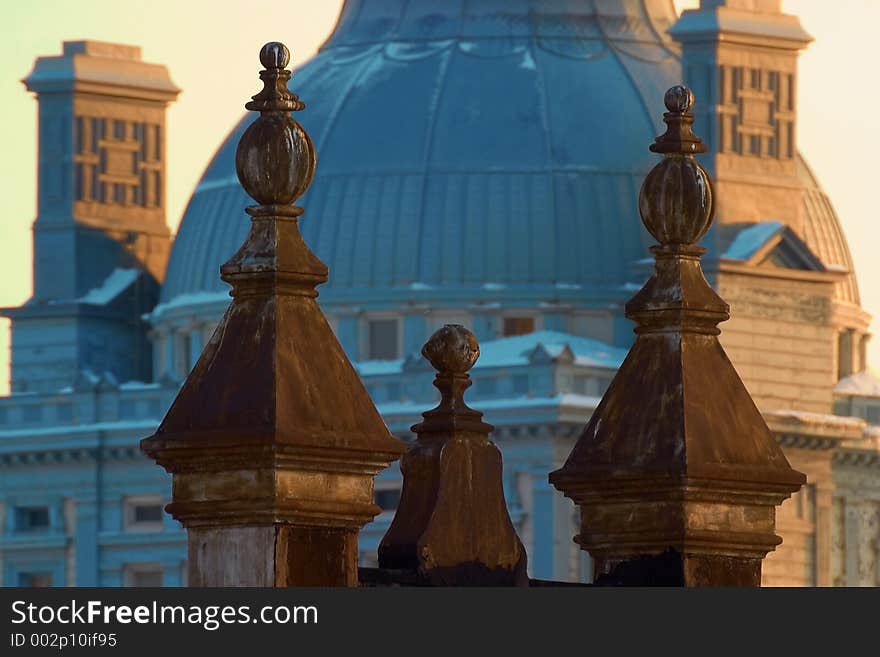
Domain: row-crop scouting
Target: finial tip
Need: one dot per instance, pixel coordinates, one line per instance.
(679, 99)
(274, 55)
(452, 349)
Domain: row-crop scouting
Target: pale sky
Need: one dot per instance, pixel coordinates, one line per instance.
(211, 50)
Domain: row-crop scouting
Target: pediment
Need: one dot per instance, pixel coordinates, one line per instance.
(770, 245)
(790, 252)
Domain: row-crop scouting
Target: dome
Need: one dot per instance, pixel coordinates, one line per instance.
(823, 233)
(465, 145)
(493, 149)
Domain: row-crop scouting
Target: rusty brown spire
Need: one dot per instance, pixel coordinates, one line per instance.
(677, 474)
(452, 526)
(273, 440)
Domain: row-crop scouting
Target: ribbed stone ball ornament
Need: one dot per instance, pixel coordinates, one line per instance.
(452, 349)
(275, 159)
(676, 201)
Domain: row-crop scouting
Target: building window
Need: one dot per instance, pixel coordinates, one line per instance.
(144, 514)
(844, 354)
(195, 347)
(153, 408)
(383, 338)
(873, 414)
(143, 575)
(64, 412)
(32, 518)
(863, 352)
(368, 558)
(127, 409)
(518, 325)
(161, 346)
(388, 499)
(32, 414)
(35, 580)
(487, 385)
(182, 354)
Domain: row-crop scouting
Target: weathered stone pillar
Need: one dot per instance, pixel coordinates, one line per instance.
(452, 526)
(677, 475)
(273, 441)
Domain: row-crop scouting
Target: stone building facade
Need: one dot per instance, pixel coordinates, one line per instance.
(428, 212)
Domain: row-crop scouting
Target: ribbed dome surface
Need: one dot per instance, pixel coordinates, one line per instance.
(823, 233)
(475, 146)
(463, 143)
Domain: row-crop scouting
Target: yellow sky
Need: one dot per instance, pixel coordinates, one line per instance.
(210, 47)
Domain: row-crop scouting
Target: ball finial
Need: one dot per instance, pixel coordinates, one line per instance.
(275, 159)
(679, 99)
(679, 136)
(274, 55)
(676, 201)
(452, 349)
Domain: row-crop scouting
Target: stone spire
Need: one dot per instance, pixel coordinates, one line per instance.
(452, 526)
(273, 440)
(677, 475)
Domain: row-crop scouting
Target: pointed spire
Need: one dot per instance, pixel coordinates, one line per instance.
(452, 526)
(677, 474)
(273, 440)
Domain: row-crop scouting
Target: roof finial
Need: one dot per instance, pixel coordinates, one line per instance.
(275, 160)
(679, 138)
(452, 351)
(275, 96)
(676, 200)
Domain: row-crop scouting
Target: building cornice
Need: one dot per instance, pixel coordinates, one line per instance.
(726, 266)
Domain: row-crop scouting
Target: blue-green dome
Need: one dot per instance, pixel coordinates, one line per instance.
(463, 144)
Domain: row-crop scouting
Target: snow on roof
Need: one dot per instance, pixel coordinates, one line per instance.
(814, 419)
(115, 284)
(517, 350)
(378, 367)
(139, 385)
(141, 427)
(863, 384)
(566, 400)
(191, 299)
(752, 238)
